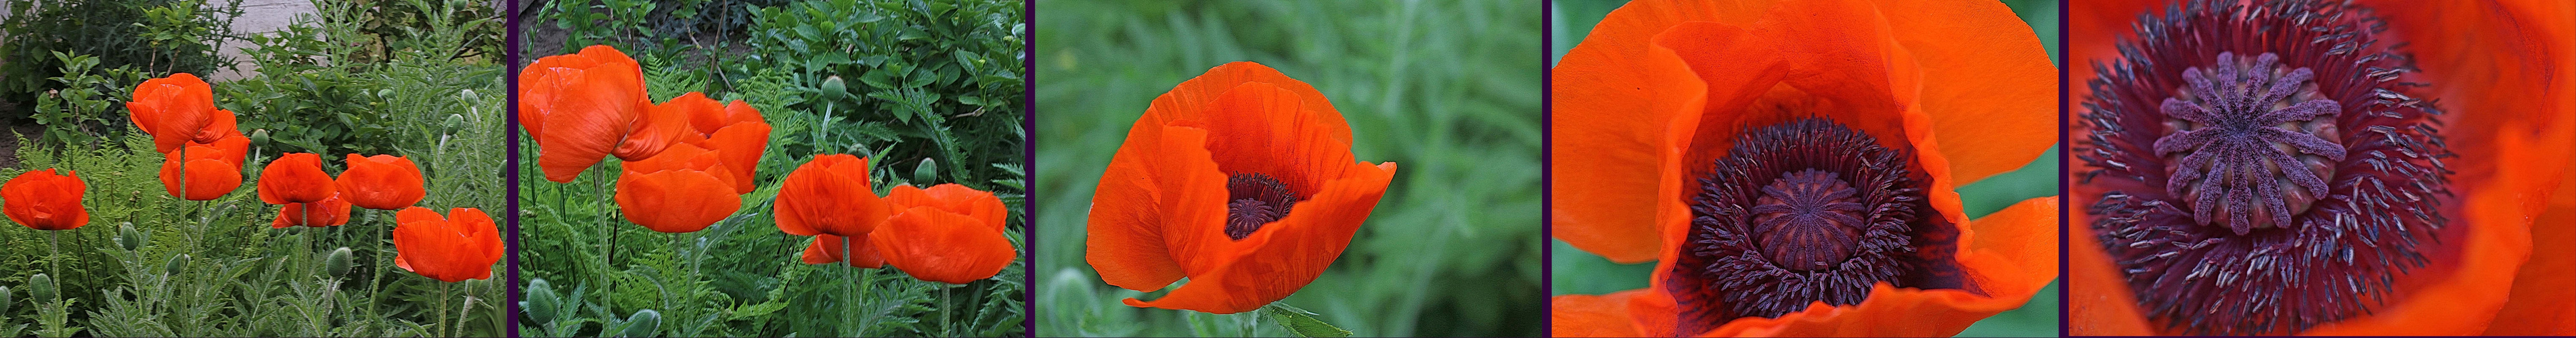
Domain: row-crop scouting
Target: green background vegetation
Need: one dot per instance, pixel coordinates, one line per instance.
(411, 85)
(930, 94)
(1578, 272)
(1448, 89)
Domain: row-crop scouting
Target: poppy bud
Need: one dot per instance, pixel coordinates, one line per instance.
(643, 324)
(127, 238)
(259, 135)
(177, 263)
(541, 303)
(924, 173)
(834, 87)
(469, 95)
(41, 286)
(337, 264)
(5, 300)
(455, 121)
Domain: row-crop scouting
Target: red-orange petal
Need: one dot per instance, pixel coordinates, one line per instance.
(663, 125)
(936, 245)
(1159, 178)
(676, 201)
(951, 197)
(740, 146)
(295, 178)
(446, 249)
(382, 182)
(830, 195)
(580, 107)
(48, 199)
(328, 212)
(826, 249)
(173, 109)
(1282, 256)
(1592, 316)
(1987, 83)
(206, 175)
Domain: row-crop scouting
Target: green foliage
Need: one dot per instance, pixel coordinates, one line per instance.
(741, 277)
(1444, 88)
(152, 36)
(311, 98)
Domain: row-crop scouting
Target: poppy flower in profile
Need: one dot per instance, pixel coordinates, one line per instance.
(938, 245)
(1790, 167)
(2316, 167)
(1241, 180)
(206, 170)
(733, 130)
(831, 196)
(47, 199)
(586, 106)
(453, 248)
(295, 178)
(177, 110)
(331, 211)
(684, 189)
(382, 182)
(949, 233)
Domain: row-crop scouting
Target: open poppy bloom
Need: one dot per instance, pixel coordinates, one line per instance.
(684, 189)
(1790, 168)
(295, 178)
(831, 196)
(949, 233)
(733, 130)
(177, 110)
(205, 170)
(586, 106)
(1240, 179)
(382, 182)
(331, 211)
(2318, 167)
(453, 248)
(47, 199)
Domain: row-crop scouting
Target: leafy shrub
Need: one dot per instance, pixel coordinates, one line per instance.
(152, 36)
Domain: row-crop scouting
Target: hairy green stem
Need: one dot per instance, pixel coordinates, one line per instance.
(442, 310)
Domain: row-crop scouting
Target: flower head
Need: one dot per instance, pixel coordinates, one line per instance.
(583, 107)
(206, 170)
(177, 110)
(1241, 180)
(1789, 167)
(47, 199)
(295, 178)
(2312, 167)
(459, 246)
(382, 182)
(830, 198)
(949, 233)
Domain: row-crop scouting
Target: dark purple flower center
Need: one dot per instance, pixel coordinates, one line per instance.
(1801, 212)
(2261, 168)
(1255, 200)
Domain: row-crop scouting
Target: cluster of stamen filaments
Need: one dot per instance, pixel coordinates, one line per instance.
(1254, 200)
(1796, 213)
(2253, 142)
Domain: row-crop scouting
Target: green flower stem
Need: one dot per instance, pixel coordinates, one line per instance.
(608, 241)
(442, 310)
(848, 258)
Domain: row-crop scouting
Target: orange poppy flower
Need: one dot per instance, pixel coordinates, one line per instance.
(1790, 167)
(968, 251)
(47, 199)
(382, 182)
(684, 189)
(1242, 180)
(2413, 144)
(331, 211)
(952, 197)
(585, 106)
(295, 178)
(733, 130)
(453, 248)
(177, 110)
(934, 244)
(207, 170)
(831, 196)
